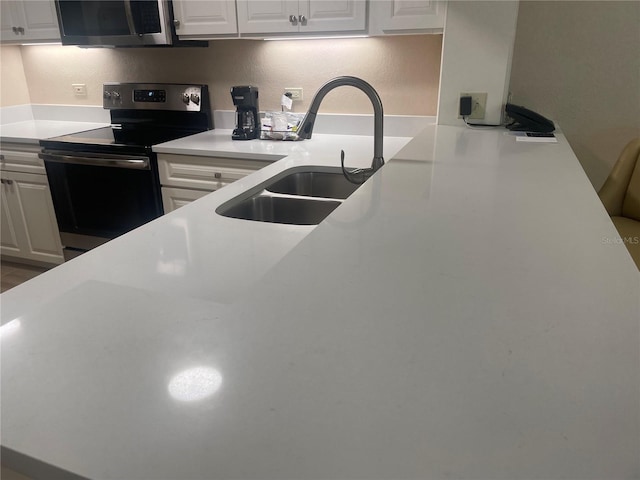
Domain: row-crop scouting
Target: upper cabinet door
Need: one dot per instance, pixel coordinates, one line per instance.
(205, 18)
(41, 21)
(267, 16)
(7, 23)
(29, 21)
(301, 16)
(406, 16)
(333, 15)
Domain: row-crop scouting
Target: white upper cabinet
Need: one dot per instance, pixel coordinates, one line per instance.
(333, 16)
(257, 17)
(205, 18)
(406, 16)
(208, 19)
(23, 21)
(267, 16)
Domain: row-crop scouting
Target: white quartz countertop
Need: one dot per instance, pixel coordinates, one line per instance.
(32, 131)
(321, 149)
(469, 312)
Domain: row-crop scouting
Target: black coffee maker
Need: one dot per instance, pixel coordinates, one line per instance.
(245, 98)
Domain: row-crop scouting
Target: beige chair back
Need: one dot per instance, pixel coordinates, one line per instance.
(620, 193)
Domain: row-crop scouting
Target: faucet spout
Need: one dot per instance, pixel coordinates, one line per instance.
(305, 129)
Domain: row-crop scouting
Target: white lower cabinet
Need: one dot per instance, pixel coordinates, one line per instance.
(8, 236)
(185, 178)
(174, 198)
(28, 221)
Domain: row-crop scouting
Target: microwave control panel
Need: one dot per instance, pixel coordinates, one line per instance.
(147, 96)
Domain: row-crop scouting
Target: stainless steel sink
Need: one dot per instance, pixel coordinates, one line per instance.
(314, 184)
(298, 196)
(276, 209)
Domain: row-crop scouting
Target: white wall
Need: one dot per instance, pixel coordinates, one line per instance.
(578, 63)
(13, 83)
(476, 56)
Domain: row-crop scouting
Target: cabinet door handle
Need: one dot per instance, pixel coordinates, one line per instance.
(217, 175)
(176, 23)
(293, 19)
(303, 20)
(1, 158)
(9, 182)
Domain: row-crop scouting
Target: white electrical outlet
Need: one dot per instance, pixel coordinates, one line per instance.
(296, 93)
(478, 105)
(79, 89)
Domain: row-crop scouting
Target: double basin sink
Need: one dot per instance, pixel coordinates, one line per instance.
(298, 196)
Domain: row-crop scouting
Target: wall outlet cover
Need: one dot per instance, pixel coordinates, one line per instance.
(79, 89)
(296, 93)
(478, 105)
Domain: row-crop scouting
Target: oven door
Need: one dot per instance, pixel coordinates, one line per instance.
(98, 197)
(114, 22)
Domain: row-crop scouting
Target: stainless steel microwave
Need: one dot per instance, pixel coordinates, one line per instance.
(117, 23)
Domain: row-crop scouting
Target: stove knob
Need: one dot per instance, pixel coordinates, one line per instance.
(195, 98)
(115, 95)
(107, 95)
(185, 98)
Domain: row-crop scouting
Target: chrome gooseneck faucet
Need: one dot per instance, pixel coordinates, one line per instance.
(305, 129)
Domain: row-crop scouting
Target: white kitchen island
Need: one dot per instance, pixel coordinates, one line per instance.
(468, 313)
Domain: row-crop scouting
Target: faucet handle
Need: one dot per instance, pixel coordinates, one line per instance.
(356, 175)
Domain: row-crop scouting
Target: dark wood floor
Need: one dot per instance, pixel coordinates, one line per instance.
(13, 274)
(8, 474)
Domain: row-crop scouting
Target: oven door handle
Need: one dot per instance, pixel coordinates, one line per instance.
(100, 160)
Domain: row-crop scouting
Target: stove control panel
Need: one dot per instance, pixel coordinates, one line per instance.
(145, 95)
(155, 96)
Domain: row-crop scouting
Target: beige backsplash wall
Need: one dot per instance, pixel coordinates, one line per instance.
(404, 70)
(13, 84)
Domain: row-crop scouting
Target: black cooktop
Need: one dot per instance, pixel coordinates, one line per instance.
(118, 136)
(139, 139)
(137, 125)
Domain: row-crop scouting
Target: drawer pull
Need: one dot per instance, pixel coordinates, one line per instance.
(217, 175)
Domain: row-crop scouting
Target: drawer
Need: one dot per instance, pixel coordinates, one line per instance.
(21, 158)
(174, 198)
(204, 173)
